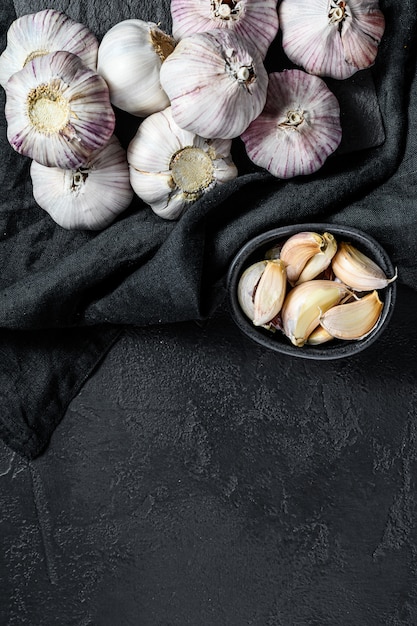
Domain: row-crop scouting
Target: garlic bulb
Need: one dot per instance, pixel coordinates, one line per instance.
(129, 59)
(170, 168)
(331, 38)
(58, 111)
(89, 197)
(216, 84)
(256, 21)
(298, 128)
(43, 32)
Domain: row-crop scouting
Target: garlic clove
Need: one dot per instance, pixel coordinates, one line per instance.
(170, 168)
(357, 270)
(297, 250)
(90, 197)
(354, 320)
(130, 57)
(319, 336)
(40, 33)
(247, 286)
(216, 83)
(298, 128)
(256, 21)
(270, 292)
(331, 38)
(319, 261)
(58, 111)
(305, 304)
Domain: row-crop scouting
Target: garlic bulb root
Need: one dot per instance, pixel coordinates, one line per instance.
(170, 168)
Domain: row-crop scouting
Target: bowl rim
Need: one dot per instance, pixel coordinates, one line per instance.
(328, 351)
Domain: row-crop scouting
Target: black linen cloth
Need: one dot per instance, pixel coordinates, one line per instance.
(65, 295)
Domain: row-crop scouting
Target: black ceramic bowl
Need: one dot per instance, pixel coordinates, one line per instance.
(255, 249)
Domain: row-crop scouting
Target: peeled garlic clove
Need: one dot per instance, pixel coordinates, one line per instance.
(331, 38)
(305, 304)
(354, 320)
(357, 270)
(256, 21)
(270, 292)
(170, 168)
(90, 197)
(58, 111)
(297, 250)
(298, 128)
(130, 57)
(247, 286)
(319, 336)
(43, 32)
(216, 83)
(320, 261)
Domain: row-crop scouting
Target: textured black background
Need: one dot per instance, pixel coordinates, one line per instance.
(198, 479)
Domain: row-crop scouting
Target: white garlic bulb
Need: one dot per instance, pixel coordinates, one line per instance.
(298, 128)
(216, 83)
(58, 111)
(255, 21)
(89, 197)
(43, 32)
(331, 37)
(129, 59)
(170, 168)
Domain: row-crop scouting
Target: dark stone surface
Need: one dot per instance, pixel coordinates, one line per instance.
(198, 479)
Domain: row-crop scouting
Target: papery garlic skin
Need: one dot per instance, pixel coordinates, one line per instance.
(298, 128)
(170, 168)
(44, 32)
(216, 83)
(90, 197)
(353, 320)
(130, 57)
(58, 111)
(256, 21)
(357, 270)
(330, 38)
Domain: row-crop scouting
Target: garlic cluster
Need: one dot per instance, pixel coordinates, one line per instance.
(198, 89)
(59, 114)
(314, 289)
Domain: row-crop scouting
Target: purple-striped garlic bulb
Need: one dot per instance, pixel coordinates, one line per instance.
(171, 168)
(44, 32)
(256, 21)
(216, 83)
(89, 197)
(298, 128)
(331, 38)
(58, 111)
